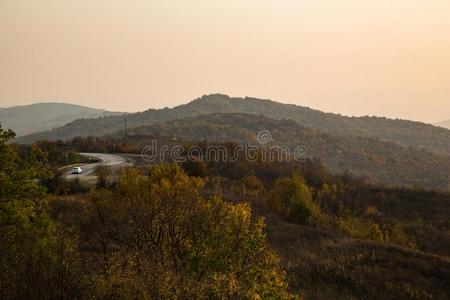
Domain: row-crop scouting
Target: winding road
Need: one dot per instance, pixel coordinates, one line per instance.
(113, 161)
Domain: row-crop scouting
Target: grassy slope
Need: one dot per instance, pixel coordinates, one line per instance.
(326, 265)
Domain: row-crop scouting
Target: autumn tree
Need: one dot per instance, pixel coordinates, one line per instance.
(292, 198)
(33, 257)
(251, 187)
(155, 236)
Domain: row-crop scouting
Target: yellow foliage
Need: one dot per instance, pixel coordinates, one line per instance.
(158, 237)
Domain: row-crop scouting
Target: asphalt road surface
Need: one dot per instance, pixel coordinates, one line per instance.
(108, 160)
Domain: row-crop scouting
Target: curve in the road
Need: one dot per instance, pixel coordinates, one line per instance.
(108, 160)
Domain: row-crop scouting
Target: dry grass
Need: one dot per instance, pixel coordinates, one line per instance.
(327, 265)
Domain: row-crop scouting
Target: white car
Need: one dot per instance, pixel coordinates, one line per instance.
(76, 170)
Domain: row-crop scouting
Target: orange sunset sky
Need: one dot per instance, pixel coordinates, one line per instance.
(355, 57)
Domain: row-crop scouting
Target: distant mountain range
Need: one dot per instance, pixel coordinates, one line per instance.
(406, 133)
(27, 119)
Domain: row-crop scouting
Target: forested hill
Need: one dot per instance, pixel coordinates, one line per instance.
(382, 161)
(407, 133)
(26, 119)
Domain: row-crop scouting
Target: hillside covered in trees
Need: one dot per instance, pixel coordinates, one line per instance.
(380, 161)
(215, 230)
(407, 133)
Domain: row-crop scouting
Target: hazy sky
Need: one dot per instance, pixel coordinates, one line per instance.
(356, 57)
